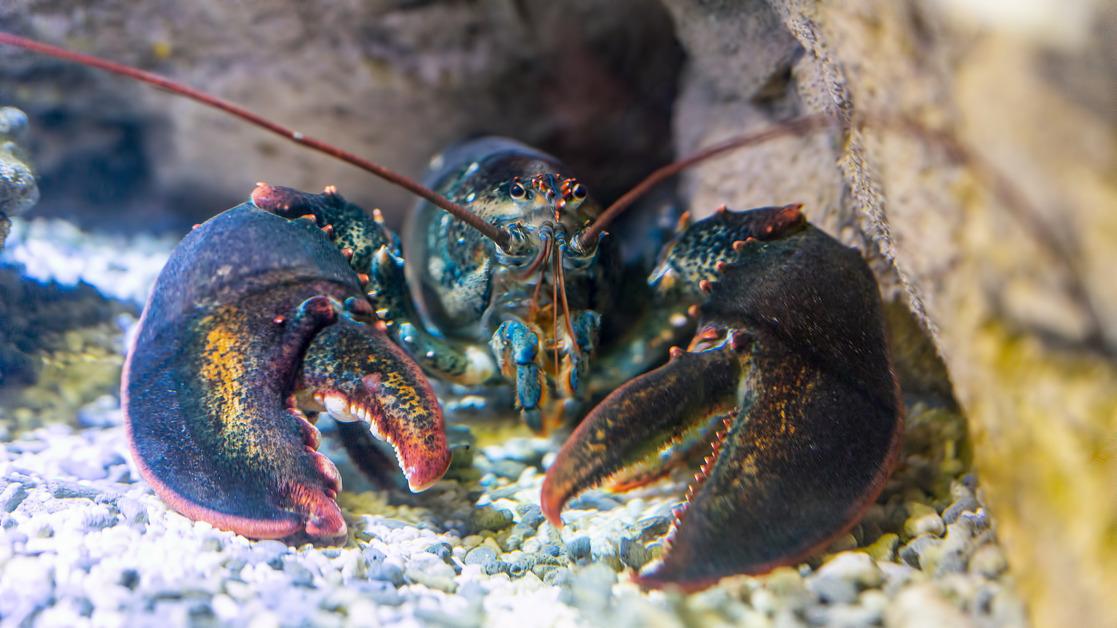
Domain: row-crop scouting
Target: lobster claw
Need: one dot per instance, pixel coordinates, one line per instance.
(245, 313)
(358, 374)
(791, 342)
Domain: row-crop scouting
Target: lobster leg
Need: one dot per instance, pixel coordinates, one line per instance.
(516, 348)
(356, 373)
(791, 337)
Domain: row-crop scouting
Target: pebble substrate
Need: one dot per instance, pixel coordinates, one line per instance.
(84, 541)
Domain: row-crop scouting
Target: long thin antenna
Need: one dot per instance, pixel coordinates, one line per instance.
(797, 126)
(493, 233)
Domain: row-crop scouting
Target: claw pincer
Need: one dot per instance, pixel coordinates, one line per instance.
(252, 315)
(789, 379)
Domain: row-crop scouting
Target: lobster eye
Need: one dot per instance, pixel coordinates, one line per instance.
(517, 191)
(580, 191)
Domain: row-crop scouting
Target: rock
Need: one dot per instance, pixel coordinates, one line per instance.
(480, 556)
(18, 191)
(854, 567)
(884, 548)
(632, 554)
(593, 500)
(530, 515)
(579, 549)
(653, 527)
(921, 606)
(832, 589)
(489, 518)
(916, 551)
(988, 560)
(922, 519)
(12, 496)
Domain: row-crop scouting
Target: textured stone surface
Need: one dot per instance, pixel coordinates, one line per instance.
(18, 191)
(392, 80)
(1015, 295)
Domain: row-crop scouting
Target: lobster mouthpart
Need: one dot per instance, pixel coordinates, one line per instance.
(791, 339)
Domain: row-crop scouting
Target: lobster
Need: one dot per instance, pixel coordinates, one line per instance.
(294, 303)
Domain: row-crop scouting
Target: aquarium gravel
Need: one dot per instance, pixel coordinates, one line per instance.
(84, 541)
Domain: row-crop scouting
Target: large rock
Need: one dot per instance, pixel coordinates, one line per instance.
(395, 81)
(18, 191)
(1002, 258)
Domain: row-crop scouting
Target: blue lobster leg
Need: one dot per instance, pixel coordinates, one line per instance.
(516, 348)
(791, 341)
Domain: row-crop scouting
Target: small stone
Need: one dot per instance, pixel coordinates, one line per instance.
(651, 528)
(593, 500)
(922, 606)
(559, 577)
(884, 548)
(63, 489)
(480, 556)
(132, 510)
(922, 519)
(489, 518)
(494, 567)
(388, 572)
(833, 589)
(632, 554)
(12, 496)
(855, 567)
(298, 573)
(989, 561)
(579, 550)
(442, 550)
(433, 573)
(509, 469)
(530, 515)
(916, 552)
(966, 504)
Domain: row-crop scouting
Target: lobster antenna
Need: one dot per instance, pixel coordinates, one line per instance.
(795, 126)
(493, 233)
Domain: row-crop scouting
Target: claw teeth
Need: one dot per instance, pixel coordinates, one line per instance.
(338, 407)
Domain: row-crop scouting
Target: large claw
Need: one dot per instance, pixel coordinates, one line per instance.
(208, 385)
(791, 339)
(357, 373)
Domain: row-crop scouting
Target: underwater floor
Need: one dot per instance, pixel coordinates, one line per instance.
(84, 541)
